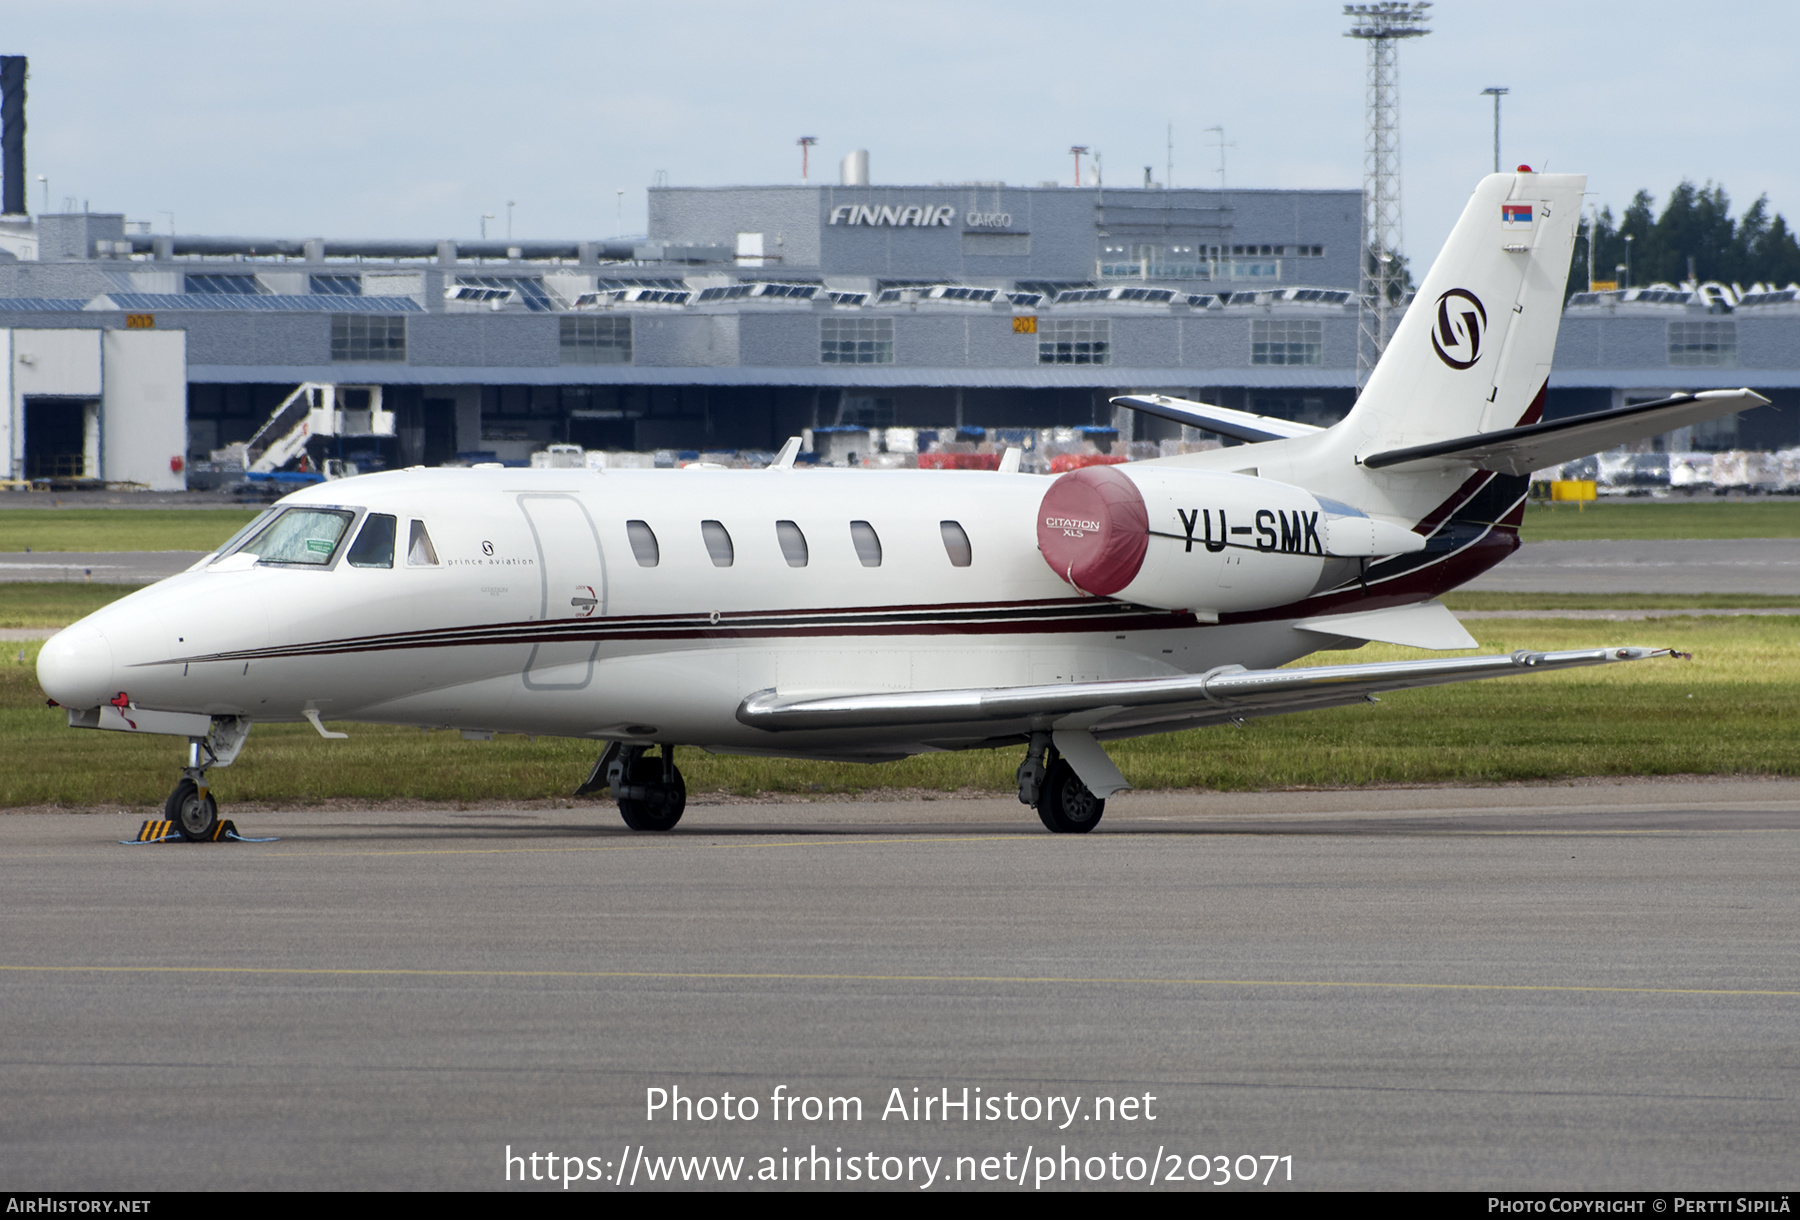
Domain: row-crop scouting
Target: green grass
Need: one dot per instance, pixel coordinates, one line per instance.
(1733, 709)
(1621, 601)
(1635, 520)
(54, 603)
(119, 529)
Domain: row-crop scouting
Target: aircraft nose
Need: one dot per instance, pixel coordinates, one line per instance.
(75, 667)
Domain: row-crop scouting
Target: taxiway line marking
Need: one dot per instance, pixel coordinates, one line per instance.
(775, 976)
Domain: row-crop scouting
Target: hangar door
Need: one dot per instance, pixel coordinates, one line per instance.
(62, 438)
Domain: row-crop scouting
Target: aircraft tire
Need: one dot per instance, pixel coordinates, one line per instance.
(665, 806)
(195, 816)
(1065, 804)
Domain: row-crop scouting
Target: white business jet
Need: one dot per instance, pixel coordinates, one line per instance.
(870, 615)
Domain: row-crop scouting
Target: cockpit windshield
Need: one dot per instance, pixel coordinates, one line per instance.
(256, 523)
(300, 535)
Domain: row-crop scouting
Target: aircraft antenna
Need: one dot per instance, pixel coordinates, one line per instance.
(1381, 26)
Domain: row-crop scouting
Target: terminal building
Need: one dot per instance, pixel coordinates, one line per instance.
(749, 314)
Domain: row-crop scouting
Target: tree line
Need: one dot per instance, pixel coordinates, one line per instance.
(1696, 224)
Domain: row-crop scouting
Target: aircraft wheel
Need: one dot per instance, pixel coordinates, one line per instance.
(663, 803)
(195, 816)
(1065, 804)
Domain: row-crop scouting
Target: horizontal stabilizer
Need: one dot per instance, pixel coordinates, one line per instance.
(1238, 425)
(1537, 446)
(1425, 625)
(1229, 693)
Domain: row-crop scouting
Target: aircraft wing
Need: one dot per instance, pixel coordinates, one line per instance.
(1229, 693)
(1537, 446)
(1238, 425)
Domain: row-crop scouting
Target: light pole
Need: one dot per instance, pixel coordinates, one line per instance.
(1222, 147)
(509, 208)
(1078, 150)
(46, 184)
(1593, 224)
(805, 143)
(1382, 26)
(1628, 240)
(1496, 92)
(620, 230)
(485, 217)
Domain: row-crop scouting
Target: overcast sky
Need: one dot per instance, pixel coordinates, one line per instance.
(412, 120)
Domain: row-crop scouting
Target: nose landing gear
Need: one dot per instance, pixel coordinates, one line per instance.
(650, 791)
(191, 806)
(193, 810)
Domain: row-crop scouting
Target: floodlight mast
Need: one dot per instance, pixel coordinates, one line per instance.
(1381, 26)
(1496, 92)
(805, 143)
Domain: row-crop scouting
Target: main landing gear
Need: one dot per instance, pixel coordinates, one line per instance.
(1046, 780)
(650, 791)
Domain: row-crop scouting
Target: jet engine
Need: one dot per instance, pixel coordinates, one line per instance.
(1203, 540)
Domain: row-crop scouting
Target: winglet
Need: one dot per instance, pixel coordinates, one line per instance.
(785, 459)
(1009, 461)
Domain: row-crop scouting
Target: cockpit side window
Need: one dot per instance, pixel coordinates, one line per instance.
(374, 545)
(301, 536)
(419, 551)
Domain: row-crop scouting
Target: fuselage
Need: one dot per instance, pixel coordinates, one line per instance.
(647, 605)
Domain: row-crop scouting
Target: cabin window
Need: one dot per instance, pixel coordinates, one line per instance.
(793, 543)
(419, 551)
(300, 535)
(643, 543)
(374, 545)
(718, 543)
(868, 543)
(956, 544)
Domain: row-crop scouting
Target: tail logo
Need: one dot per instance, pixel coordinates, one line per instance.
(1456, 336)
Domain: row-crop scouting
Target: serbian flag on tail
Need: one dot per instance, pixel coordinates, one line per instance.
(1515, 216)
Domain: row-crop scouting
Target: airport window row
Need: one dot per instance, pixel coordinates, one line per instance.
(1282, 342)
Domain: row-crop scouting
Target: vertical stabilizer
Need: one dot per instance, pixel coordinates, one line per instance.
(1473, 351)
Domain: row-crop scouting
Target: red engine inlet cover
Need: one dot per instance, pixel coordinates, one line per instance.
(1093, 529)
